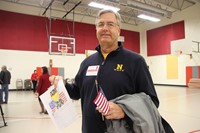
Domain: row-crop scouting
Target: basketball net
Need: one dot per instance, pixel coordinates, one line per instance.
(63, 51)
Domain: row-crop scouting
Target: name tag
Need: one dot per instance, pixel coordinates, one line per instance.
(92, 70)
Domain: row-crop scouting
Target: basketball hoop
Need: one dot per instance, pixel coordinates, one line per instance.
(64, 51)
(178, 52)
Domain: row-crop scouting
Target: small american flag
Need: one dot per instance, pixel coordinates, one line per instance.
(102, 102)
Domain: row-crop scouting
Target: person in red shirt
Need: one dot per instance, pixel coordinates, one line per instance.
(43, 85)
(34, 79)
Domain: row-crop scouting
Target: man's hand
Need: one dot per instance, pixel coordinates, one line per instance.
(115, 112)
(54, 80)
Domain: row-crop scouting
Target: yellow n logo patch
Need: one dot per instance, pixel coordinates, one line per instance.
(119, 68)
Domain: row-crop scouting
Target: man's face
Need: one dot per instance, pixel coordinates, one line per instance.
(107, 29)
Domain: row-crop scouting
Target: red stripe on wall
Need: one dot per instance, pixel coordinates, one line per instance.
(159, 39)
(199, 71)
(85, 36)
(188, 74)
(39, 71)
(132, 40)
(23, 32)
(30, 33)
(54, 71)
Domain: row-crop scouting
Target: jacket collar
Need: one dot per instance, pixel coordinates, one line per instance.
(98, 48)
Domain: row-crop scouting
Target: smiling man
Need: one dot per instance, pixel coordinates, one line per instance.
(108, 31)
(112, 70)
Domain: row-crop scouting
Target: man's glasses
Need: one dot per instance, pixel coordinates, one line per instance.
(110, 25)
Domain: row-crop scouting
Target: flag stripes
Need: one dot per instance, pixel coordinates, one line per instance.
(102, 102)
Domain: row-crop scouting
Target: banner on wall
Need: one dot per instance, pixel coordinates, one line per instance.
(172, 67)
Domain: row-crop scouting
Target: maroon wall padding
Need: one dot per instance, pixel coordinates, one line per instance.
(22, 32)
(30, 33)
(158, 40)
(85, 36)
(132, 40)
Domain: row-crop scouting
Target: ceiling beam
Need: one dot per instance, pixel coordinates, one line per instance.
(47, 7)
(193, 1)
(65, 2)
(72, 9)
(157, 2)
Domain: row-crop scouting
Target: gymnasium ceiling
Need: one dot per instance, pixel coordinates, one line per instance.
(129, 9)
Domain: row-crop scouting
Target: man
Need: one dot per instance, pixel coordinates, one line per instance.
(34, 78)
(117, 71)
(5, 77)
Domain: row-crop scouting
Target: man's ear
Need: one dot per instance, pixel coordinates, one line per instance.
(119, 32)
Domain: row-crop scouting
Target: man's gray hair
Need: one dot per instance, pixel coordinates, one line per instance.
(4, 68)
(117, 15)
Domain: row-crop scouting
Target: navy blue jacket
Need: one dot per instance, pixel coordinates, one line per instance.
(123, 72)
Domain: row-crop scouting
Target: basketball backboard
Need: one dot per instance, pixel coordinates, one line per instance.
(59, 45)
(182, 46)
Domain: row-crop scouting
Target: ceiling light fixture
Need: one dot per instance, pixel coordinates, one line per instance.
(102, 6)
(150, 18)
(148, 8)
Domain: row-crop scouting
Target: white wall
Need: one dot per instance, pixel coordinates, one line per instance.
(22, 63)
(157, 64)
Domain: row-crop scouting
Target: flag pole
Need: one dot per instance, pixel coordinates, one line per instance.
(96, 83)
